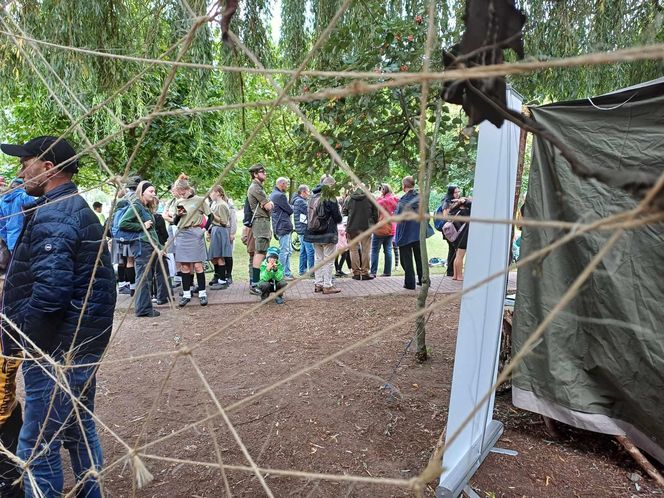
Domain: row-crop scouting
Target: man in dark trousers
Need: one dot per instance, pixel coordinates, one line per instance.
(282, 225)
(362, 213)
(54, 268)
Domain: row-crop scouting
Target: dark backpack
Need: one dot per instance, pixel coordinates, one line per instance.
(316, 218)
(439, 223)
(123, 236)
(248, 218)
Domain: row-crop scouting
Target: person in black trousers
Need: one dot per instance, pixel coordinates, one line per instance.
(453, 193)
(407, 236)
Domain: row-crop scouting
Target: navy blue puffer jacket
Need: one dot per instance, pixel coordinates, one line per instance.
(48, 277)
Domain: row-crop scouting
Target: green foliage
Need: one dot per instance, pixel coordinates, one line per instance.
(376, 134)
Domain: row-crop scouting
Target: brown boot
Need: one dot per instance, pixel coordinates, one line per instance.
(331, 290)
(318, 288)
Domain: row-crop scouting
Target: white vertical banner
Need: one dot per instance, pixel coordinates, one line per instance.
(480, 318)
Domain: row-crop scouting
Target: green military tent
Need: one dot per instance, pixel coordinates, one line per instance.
(600, 364)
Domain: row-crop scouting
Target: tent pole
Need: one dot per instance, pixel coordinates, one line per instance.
(641, 460)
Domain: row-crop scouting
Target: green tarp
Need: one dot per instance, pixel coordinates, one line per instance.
(600, 364)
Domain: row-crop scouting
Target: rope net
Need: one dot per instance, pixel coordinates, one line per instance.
(184, 362)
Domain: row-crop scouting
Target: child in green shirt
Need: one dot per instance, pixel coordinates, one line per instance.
(272, 275)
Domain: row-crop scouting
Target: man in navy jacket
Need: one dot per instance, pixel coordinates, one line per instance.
(300, 211)
(60, 292)
(282, 225)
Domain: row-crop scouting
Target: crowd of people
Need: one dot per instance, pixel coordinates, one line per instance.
(64, 263)
(323, 220)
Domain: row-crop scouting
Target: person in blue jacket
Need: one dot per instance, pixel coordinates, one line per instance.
(407, 235)
(60, 293)
(299, 202)
(11, 212)
(282, 225)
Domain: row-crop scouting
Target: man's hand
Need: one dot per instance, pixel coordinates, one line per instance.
(148, 224)
(268, 206)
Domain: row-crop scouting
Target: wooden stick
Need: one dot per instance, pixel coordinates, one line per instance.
(551, 427)
(641, 460)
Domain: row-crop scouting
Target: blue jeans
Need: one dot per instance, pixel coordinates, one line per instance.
(306, 255)
(386, 243)
(60, 426)
(143, 292)
(285, 251)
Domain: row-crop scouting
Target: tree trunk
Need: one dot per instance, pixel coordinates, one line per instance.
(425, 190)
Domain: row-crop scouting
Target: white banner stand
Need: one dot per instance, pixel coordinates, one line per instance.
(480, 319)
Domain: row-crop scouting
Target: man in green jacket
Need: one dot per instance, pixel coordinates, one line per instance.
(272, 275)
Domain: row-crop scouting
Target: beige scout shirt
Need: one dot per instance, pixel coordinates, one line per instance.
(257, 199)
(195, 207)
(221, 212)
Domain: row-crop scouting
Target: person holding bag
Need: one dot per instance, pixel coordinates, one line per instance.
(384, 235)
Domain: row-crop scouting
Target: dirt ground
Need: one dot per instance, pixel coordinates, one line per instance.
(336, 419)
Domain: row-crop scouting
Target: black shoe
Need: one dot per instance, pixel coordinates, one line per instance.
(132, 292)
(203, 300)
(153, 313)
(194, 289)
(357, 277)
(162, 301)
(219, 286)
(368, 277)
(183, 301)
(229, 280)
(340, 274)
(124, 290)
(255, 291)
(419, 283)
(409, 288)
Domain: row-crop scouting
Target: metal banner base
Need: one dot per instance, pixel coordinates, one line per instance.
(456, 479)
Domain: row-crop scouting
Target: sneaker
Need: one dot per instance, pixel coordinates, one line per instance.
(255, 291)
(331, 290)
(154, 300)
(219, 286)
(162, 301)
(318, 288)
(153, 313)
(229, 280)
(124, 290)
(183, 301)
(340, 274)
(385, 275)
(194, 289)
(279, 300)
(203, 300)
(289, 278)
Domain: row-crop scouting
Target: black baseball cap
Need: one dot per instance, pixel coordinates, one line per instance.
(49, 148)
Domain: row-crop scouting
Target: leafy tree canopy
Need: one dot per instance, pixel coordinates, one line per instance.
(376, 134)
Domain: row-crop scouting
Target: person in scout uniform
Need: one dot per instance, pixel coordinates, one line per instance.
(272, 276)
(192, 216)
(221, 246)
(260, 206)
